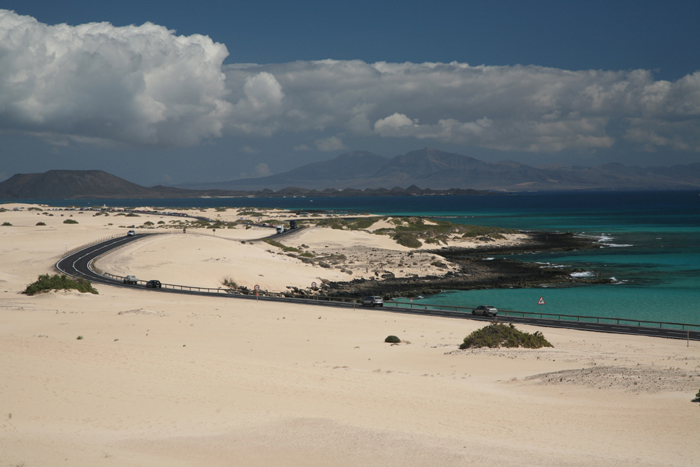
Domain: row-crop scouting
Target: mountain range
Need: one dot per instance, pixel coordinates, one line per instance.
(431, 168)
(361, 173)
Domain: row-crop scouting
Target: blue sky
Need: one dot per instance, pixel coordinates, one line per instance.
(279, 84)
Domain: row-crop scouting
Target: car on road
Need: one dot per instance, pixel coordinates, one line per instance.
(372, 301)
(131, 233)
(485, 310)
(132, 280)
(153, 284)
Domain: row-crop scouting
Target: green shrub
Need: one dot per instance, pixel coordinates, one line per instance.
(392, 340)
(407, 239)
(40, 223)
(70, 221)
(46, 283)
(697, 397)
(131, 214)
(501, 335)
(229, 284)
(6, 224)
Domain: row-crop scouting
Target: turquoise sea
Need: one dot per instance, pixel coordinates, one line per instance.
(649, 242)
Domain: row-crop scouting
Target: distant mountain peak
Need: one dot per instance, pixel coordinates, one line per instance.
(66, 184)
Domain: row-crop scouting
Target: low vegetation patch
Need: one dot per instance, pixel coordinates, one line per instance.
(407, 239)
(40, 223)
(228, 283)
(347, 224)
(232, 287)
(223, 225)
(46, 283)
(70, 221)
(200, 224)
(289, 249)
(392, 340)
(6, 224)
(498, 335)
(435, 231)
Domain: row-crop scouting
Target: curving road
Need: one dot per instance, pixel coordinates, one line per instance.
(79, 265)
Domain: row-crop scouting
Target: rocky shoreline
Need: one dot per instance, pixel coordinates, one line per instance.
(475, 272)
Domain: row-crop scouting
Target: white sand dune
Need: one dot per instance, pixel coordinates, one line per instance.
(166, 380)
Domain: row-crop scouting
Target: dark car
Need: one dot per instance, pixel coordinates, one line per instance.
(153, 285)
(372, 301)
(485, 310)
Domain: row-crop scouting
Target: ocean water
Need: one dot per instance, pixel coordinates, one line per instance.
(649, 242)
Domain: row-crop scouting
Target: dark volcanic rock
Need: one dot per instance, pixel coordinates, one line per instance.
(476, 273)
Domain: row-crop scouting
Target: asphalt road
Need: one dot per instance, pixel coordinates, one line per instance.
(79, 265)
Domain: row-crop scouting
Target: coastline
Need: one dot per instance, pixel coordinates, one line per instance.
(165, 380)
(477, 272)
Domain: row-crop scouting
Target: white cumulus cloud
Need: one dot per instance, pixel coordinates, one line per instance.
(510, 108)
(140, 85)
(145, 85)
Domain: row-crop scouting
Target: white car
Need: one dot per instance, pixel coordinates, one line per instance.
(485, 310)
(131, 233)
(373, 301)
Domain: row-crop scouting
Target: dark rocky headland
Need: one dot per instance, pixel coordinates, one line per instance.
(476, 272)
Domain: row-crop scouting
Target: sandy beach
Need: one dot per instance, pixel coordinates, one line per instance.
(164, 380)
